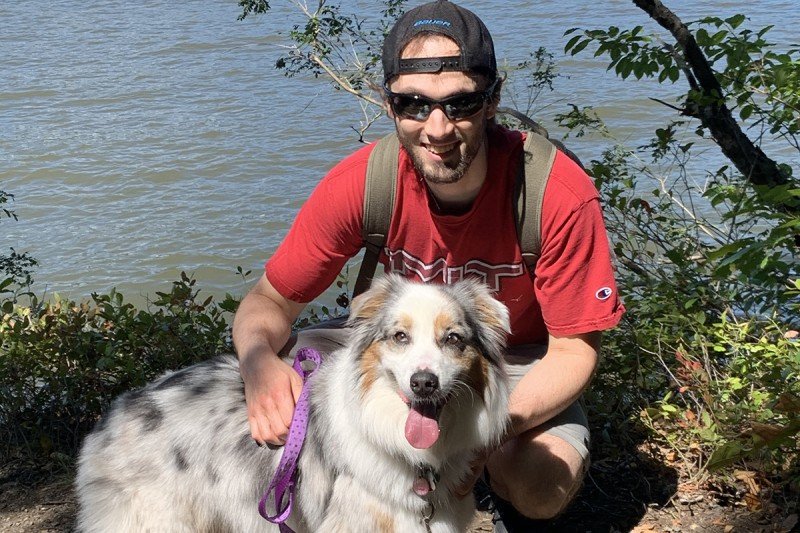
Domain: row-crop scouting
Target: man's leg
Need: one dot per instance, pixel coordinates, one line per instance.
(540, 471)
(324, 337)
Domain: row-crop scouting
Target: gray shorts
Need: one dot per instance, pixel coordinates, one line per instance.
(570, 425)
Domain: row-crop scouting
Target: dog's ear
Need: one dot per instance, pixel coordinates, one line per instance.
(368, 309)
(368, 305)
(489, 317)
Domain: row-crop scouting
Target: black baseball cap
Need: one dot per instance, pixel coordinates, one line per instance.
(446, 18)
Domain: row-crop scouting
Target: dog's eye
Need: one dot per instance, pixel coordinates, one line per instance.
(400, 337)
(453, 339)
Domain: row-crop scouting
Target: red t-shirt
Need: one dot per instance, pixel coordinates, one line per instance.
(572, 290)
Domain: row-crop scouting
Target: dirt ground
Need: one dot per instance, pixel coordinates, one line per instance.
(627, 493)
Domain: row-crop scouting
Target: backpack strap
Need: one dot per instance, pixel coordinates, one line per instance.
(534, 171)
(379, 193)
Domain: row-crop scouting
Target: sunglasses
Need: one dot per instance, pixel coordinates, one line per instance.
(456, 107)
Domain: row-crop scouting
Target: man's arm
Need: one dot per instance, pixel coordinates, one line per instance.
(261, 327)
(555, 382)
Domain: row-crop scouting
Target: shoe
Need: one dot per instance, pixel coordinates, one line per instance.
(507, 519)
(483, 496)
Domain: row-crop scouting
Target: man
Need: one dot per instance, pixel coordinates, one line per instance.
(453, 217)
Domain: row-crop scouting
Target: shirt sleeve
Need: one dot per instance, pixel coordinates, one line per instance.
(575, 283)
(325, 234)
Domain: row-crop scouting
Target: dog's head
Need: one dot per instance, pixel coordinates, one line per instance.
(436, 352)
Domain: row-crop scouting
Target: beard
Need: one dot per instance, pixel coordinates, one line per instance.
(450, 169)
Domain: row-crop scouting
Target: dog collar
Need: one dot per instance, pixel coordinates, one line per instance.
(283, 482)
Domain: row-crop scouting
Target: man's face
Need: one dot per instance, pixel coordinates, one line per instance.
(440, 148)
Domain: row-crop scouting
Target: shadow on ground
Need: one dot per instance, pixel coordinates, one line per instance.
(617, 493)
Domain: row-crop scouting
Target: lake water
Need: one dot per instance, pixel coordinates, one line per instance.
(145, 138)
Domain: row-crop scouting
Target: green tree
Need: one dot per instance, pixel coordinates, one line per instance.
(709, 266)
(753, 79)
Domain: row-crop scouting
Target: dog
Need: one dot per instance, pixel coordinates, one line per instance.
(395, 418)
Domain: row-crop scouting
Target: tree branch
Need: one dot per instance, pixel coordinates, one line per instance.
(711, 109)
(525, 120)
(662, 102)
(343, 83)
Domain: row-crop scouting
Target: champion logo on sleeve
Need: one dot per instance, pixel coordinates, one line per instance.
(603, 293)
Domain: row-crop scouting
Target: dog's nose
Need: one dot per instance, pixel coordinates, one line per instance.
(424, 383)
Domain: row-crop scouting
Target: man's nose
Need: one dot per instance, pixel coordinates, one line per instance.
(438, 126)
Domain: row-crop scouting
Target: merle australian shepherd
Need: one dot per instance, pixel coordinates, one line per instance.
(395, 418)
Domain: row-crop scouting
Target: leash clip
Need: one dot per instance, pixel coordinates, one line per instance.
(427, 515)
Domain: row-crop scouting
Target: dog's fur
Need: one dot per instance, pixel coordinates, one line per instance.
(178, 455)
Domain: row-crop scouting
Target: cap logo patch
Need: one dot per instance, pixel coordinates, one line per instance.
(433, 22)
(604, 293)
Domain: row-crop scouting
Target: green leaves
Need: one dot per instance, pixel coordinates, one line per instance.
(751, 443)
(5, 198)
(256, 7)
(62, 362)
(630, 52)
(763, 83)
(341, 46)
(16, 269)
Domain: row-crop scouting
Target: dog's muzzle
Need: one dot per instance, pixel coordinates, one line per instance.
(425, 407)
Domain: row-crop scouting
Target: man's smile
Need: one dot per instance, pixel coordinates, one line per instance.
(440, 149)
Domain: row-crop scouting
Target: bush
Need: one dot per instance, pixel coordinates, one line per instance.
(734, 395)
(706, 357)
(62, 362)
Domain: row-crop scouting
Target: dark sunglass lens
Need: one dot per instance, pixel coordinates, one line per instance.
(418, 107)
(411, 106)
(463, 106)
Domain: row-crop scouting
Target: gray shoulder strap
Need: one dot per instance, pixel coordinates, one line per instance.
(534, 170)
(379, 193)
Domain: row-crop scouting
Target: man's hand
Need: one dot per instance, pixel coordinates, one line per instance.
(271, 389)
(476, 469)
(261, 328)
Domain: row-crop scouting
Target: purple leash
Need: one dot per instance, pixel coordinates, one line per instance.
(283, 482)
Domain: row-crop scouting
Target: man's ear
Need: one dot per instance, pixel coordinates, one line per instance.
(491, 109)
(388, 109)
(380, 89)
(494, 101)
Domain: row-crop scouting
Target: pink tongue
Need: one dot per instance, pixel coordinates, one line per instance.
(422, 429)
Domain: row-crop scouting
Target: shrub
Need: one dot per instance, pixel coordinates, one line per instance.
(734, 395)
(707, 357)
(62, 362)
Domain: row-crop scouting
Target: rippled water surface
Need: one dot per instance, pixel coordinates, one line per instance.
(145, 138)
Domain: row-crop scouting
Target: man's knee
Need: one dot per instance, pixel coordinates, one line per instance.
(539, 477)
(542, 502)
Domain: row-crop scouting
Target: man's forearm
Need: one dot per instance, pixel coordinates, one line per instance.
(554, 383)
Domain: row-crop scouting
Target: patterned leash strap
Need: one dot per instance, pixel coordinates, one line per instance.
(283, 482)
